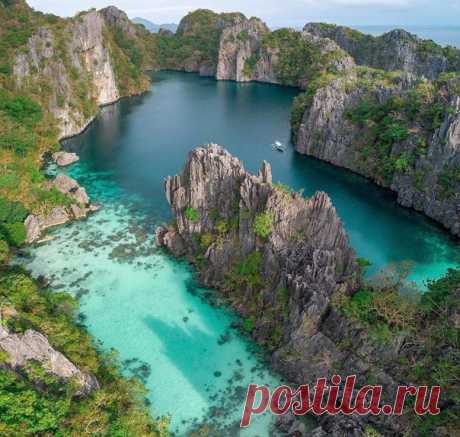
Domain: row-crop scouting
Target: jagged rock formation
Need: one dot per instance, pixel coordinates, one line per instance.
(321, 60)
(249, 51)
(395, 50)
(239, 46)
(281, 281)
(421, 166)
(79, 208)
(285, 264)
(34, 346)
(76, 64)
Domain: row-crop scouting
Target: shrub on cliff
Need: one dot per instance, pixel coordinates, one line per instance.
(263, 225)
(298, 59)
(192, 214)
(431, 337)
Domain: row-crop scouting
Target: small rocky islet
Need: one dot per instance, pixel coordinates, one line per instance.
(385, 107)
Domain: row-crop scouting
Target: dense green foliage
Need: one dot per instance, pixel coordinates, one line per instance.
(33, 402)
(263, 225)
(246, 273)
(12, 216)
(413, 115)
(298, 59)
(192, 214)
(427, 322)
(196, 41)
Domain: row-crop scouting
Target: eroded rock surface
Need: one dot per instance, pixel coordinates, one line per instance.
(285, 264)
(249, 51)
(64, 159)
(397, 50)
(34, 346)
(282, 281)
(429, 182)
(59, 215)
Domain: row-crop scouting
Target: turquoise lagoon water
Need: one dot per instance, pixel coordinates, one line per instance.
(134, 298)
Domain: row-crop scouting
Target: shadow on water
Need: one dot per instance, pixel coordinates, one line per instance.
(142, 140)
(144, 304)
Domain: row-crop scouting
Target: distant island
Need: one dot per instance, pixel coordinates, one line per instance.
(155, 28)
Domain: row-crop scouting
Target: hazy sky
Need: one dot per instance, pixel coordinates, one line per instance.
(280, 12)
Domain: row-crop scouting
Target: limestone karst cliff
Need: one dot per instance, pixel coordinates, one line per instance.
(395, 50)
(249, 51)
(285, 264)
(34, 347)
(400, 131)
(79, 64)
(340, 69)
(195, 45)
(249, 235)
(55, 73)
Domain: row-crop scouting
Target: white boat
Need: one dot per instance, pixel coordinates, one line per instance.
(277, 145)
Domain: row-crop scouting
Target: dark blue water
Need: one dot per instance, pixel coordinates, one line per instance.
(142, 140)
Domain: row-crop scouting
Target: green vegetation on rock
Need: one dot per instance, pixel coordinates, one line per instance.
(196, 41)
(298, 59)
(263, 225)
(426, 321)
(33, 402)
(192, 214)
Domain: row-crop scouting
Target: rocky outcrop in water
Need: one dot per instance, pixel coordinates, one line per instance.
(277, 257)
(194, 47)
(285, 264)
(63, 159)
(241, 54)
(395, 50)
(412, 153)
(86, 56)
(32, 346)
(77, 208)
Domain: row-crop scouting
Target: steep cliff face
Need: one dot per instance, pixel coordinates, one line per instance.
(395, 50)
(411, 146)
(195, 45)
(248, 51)
(285, 264)
(277, 257)
(88, 67)
(73, 65)
(259, 243)
(241, 55)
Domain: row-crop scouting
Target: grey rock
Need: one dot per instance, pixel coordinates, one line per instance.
(307, 256)
(64, 159)
(36, 225)
(33, 230)
(34, 346)
(397, 50)
(88, 55)
(244, 57)
(67, 185)
(327, 134)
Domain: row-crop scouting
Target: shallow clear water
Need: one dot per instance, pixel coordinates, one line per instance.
(147, 305)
